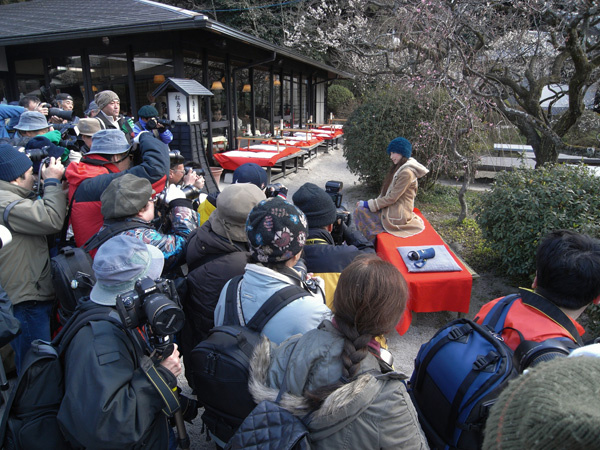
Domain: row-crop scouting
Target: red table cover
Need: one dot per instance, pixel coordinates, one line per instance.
(429, 291)
(233, 159)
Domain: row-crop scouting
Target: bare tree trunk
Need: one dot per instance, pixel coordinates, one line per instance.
(464, 209)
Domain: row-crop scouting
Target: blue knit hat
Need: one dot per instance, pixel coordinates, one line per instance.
(400, 146)
(13, 163)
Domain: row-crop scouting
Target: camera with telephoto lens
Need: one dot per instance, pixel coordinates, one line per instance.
(152, 302)
(176, 157)
(191, 192)
(37, 154)
(273, 190)
(531, 353)
(153, 123)
(60, 113)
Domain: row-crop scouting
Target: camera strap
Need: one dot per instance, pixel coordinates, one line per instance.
(169, 396)
(552, 311)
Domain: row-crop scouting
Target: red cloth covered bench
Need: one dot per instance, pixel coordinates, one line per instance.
(429, 291)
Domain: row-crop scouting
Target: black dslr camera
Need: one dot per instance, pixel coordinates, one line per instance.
(273, 190)
(343, 216)
(152, 302)
(153, 123)
(60, 113)
(334, 189)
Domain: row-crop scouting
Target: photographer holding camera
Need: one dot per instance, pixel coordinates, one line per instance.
(129, 201)
(322, 256)
(65, 105)
(109, 157)
(25, 262)
(149, 121)
(121, 374)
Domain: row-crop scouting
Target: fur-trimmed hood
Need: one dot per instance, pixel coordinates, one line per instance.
(313, 361)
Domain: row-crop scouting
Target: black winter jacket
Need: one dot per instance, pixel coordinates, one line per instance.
(213, 260)
(109, 402)
(327, 260)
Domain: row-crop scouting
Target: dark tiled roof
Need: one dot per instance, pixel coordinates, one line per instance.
(190, 87)
(53, 18)
(36, 21)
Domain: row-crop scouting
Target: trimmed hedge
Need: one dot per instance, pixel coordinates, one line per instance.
(338, 98)
(525, 204)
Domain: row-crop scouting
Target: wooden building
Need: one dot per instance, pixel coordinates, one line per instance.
(132, 46)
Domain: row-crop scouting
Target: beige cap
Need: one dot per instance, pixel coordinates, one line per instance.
(88, 127)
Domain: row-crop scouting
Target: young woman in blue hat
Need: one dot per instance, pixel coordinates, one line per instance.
(392, 211)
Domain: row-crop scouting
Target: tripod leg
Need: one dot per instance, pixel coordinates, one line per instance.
(182, 436)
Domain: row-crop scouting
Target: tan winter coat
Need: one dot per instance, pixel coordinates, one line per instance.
(397, 205)
(25, 262)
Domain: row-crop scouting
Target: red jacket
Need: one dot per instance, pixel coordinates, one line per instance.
(532, 323)
(87, 182)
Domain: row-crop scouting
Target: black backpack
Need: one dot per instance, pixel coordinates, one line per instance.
(72, 274)
(272, 427)
(462, 370)
(220, 364)
(29, 421)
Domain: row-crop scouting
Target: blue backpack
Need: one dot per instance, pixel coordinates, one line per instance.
(462, 370)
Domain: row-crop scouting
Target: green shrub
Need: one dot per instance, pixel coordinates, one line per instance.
(526, 204)
(338, 98)
(429, 118)
(384, 115)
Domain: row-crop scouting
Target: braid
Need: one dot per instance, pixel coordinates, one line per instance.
(355, 349)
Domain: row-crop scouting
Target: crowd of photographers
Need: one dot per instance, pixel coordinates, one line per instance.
(65, 180)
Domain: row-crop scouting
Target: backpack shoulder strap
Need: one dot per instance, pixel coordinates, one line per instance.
(7, 212)
(111, 229)
(273, 305)
(497, 315)
(80, 319)
(231, 316)
(554, 313)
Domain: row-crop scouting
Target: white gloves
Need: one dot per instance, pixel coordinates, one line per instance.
(173, 193)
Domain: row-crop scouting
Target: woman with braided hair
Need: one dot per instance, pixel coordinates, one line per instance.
(334, 374)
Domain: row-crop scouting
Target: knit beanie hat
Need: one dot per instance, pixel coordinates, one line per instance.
(276, 230)
(13, 163)
(104, 98)
(316, 204)
(553, 406)
(125, 196)
(147, 111)
(400, 146)
(250, 173)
